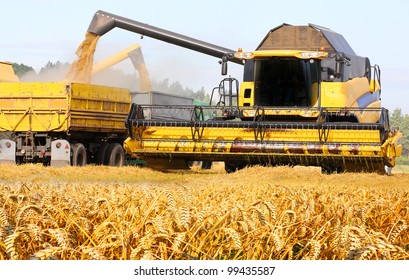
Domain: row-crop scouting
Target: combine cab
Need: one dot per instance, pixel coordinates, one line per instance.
(306, 99)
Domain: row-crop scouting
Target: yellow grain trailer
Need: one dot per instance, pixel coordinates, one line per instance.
(60, 123)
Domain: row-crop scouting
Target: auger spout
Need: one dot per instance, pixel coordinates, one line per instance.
(103, 22)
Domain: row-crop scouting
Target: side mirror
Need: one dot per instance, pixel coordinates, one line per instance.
(340, 61)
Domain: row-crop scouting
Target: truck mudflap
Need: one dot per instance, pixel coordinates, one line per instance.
(336, 145)
(60, 153)
(7, 151)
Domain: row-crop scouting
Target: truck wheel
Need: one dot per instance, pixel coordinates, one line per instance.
(79, 155)
(100, 159)
(115, 155)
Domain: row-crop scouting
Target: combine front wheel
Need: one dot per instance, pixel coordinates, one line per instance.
(331, 169)
(233, 166)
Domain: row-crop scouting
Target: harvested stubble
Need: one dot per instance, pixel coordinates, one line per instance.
(97, 212)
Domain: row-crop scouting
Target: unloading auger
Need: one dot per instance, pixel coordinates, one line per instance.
(306, 99)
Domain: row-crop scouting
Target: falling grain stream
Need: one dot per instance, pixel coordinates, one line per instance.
(80, 71)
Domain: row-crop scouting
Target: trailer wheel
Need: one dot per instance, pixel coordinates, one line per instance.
(115, 155)
(102, 151)
(79, 155)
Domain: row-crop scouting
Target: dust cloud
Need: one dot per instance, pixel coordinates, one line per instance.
(117, 78)
(131, 79)
(80, 71)
(56, 73)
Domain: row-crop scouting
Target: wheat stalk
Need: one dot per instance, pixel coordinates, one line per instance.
(136, 213)
(11, 245)
(62, 237)
(399, 228)
(315, 249)
(4, 218)
(94, 253)
(234, 238)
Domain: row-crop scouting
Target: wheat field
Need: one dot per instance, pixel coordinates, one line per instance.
(257, 213)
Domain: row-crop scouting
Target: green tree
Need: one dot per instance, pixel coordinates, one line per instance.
(21, 69)
(53, 66)
(396, 117)
(162, 86)
(201, 95)
(177, 89)
(401, 121)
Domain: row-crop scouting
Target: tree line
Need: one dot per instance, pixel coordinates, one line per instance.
(116, 78)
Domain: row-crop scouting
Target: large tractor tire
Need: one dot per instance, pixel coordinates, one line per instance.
(100, 158)
(79, 155)
(115, 155)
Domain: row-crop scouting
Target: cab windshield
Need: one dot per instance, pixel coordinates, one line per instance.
(286, 82)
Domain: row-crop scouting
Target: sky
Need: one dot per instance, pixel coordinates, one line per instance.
(37, 31)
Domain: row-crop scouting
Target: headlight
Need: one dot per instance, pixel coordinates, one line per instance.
(244, 55)
(307, 55)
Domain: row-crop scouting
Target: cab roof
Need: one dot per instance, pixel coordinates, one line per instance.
(309, 37)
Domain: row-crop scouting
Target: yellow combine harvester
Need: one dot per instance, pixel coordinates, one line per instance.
(306, 99)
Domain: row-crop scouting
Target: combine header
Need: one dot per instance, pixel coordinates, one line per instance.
(306, 99)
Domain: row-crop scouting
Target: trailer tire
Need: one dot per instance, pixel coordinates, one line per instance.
(115, 155)
(79, 155)
(102, 151)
